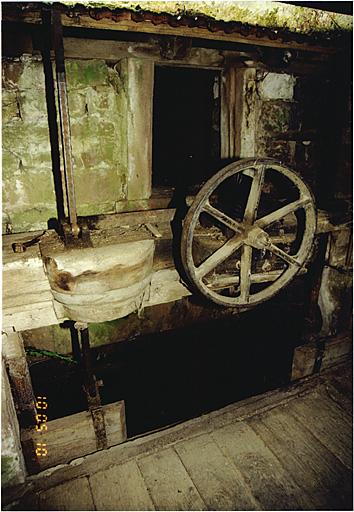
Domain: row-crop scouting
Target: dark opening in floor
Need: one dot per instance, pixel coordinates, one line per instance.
(185, 125)
(177, 375)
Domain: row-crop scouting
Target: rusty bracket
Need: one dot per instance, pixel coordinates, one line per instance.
(64, 121)
(91, 388)
(83, 240)
(22, 246)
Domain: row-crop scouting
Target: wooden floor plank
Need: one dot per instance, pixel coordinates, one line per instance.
(267, 479)
(72, 495)
(220, 484)
(120, 487)
(323, 478)
(345, 402)
(328, 423)
(168, 482)
(28, 502)
(344, 380)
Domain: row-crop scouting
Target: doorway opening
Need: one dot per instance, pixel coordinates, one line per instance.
(186, 126)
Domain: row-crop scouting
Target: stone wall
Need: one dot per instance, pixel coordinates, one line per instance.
(305, 121)
(97, 102)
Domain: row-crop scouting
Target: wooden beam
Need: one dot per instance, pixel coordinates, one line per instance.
(127, 24)
(321, 353)
(10, 436)
(19, 377)
(137, 76)
(79, 48)
(71, 437)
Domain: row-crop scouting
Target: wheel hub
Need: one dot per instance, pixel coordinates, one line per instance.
(257, 238)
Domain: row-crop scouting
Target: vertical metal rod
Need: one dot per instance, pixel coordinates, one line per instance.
(91, 388)
(90, 381)
(58, 171)
(64, 120)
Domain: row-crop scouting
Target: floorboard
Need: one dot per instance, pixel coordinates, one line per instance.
(168, 482)
(73, 495)
(120, 487)
(322, 477)
(220, 484)
(328, 423)
(266, 477)
(289, 449)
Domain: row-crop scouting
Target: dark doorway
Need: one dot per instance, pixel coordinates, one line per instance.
(186, 124)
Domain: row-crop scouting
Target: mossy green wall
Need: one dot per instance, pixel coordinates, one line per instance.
(97, 104)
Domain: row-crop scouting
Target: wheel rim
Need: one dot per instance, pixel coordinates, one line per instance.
(249, 233)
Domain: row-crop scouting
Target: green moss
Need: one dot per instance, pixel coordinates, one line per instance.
(276, 117)
(8, 469)
(32, 219)
(32, 77)
(96, 208)
(105, 332)
(270, 14)
(29, 143)
(131, 206)
(10, 110)
(86, 73)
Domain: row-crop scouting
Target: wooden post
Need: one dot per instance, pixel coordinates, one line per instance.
(12, 463)
(238, 113)
(19, 377)
(137, 78)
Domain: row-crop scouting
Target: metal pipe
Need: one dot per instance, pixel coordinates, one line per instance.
(64, 121)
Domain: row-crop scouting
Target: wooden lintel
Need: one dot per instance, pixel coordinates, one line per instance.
(79, 48)
(83, 20)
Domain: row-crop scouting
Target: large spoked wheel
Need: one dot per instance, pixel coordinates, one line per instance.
(264, 232)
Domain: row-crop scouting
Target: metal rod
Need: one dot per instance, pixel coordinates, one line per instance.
(88, 376)
(64, 121)
(92, 388)
(58, 171)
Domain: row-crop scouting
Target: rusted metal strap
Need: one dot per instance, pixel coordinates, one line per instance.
(64, 120)
(99, 426)
(91, 387)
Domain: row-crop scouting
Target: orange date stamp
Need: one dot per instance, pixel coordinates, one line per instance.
(41, 426)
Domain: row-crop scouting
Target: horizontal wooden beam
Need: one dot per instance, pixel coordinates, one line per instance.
(322, 354)
(127, 24)
(70, 437)
(207, 58)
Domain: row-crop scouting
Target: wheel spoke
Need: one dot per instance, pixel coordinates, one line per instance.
(219, 256)
(226, 280)
(282, 212)
(283, 255)
(254, 195)
(246, 262)
(222, 217)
